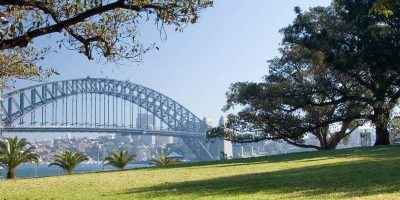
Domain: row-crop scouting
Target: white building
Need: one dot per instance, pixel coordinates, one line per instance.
(219, 146)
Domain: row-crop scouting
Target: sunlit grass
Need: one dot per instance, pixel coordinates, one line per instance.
(361, 173)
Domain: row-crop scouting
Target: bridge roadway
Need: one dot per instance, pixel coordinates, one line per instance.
(133, 131)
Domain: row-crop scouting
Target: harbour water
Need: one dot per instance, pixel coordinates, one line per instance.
(42, 170)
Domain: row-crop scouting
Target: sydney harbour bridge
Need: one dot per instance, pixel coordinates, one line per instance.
(104, 106)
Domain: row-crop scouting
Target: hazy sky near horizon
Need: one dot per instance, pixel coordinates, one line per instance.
(231, 43)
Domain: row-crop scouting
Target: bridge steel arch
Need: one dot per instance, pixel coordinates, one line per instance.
(174, 115)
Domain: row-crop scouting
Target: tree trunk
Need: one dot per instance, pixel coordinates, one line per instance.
(11, 174)
(321, 144)
(382, 134)
(330, 145)
(381, 120)
(325, 142)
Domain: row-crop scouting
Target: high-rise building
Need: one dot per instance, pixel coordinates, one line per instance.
(146, 121)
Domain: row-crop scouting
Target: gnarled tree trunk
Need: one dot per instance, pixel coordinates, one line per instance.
(327, 141)
(330, 141)
(329, 144)
(381, 120)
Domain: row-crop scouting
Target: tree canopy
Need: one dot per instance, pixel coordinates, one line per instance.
(282, 106)
(339, 67)
(100, 29)
(359, 43)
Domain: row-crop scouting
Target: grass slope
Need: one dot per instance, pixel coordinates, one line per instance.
(360, 173)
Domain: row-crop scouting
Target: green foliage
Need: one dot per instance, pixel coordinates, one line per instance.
(385, 8)
(164, 161)
(359, 173)
(106, 30)
(361, 45)
(339, 68)
(394, 127)
(293, 100)
(69, 160)
(119, 160)
(21, 63)
(14, 152)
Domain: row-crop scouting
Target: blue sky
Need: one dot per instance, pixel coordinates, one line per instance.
(231, 43)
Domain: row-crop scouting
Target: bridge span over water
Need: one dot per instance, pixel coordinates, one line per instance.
(104, 106)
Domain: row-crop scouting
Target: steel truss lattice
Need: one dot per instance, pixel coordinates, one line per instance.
(19, 103)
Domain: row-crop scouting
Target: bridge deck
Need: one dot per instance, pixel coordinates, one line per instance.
(104, 130)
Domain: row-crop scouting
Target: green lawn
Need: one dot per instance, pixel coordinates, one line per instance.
(360, 173)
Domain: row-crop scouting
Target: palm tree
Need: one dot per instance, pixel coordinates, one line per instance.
(119, 160)
(69, 160)
(15, 152)
(164, 160)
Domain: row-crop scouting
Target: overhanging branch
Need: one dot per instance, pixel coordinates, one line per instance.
(23, 40)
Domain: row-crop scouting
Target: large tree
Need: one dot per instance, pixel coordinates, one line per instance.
(339, 65)
(282, 107)
(359, 39)
(107, 29)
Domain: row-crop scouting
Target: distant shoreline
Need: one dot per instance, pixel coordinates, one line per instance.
(30, 170)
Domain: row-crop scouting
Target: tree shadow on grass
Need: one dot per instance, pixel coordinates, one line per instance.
(358, 178)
